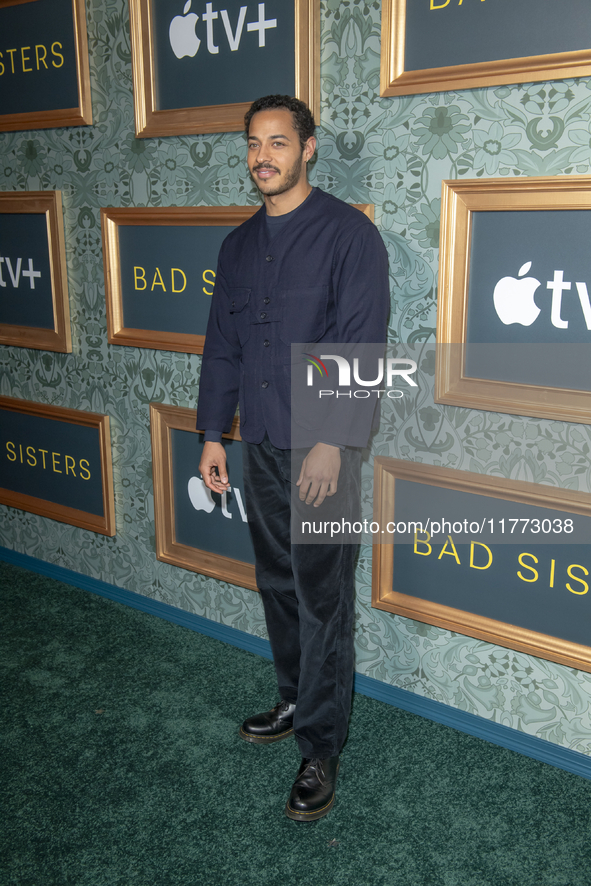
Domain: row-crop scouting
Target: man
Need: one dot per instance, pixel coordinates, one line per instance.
(305, 268)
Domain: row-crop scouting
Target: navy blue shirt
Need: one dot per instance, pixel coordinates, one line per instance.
(322, 278)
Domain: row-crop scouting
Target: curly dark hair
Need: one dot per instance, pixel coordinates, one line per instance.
(303, 120)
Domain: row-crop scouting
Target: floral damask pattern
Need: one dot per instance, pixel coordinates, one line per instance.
(392, 152)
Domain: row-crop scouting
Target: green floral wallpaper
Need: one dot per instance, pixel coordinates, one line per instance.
(392, 152)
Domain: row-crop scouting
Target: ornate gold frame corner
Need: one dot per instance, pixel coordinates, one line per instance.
(368, 209)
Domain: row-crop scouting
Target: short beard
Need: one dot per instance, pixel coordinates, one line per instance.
(292, 177)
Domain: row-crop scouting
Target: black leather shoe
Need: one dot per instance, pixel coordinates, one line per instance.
(273, 725)
(312, 794)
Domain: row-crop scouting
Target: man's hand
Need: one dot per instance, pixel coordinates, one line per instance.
(213, 467)
(319, 474)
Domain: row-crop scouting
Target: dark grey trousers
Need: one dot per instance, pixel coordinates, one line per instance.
(308, 595)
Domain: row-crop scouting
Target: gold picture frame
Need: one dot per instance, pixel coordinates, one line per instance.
(105, 525)
(395, 80)
(48, 203)
(112, 219)
(81, 115)
(162, 420)
(460, 199)
(150, 121)
(386, 472)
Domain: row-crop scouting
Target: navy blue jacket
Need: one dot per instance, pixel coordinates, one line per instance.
(322, 278)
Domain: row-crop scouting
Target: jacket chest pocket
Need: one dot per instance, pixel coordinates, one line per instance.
(240, 310)
(303, 314)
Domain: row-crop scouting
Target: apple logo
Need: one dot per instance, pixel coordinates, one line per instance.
(183, 39)
(514, 299)
(200, 495)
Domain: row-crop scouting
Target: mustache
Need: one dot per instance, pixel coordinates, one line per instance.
(265, 166)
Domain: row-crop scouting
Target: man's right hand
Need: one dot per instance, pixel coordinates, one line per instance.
(213, 467)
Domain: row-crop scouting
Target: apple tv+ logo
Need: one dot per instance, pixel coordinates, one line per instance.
(207, 55)
(184, 40)
(202, 499)
(514, 299)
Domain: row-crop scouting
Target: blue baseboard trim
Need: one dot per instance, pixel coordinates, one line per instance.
(471, 724)
(198, 623)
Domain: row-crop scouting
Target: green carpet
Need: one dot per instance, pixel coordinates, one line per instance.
(121, 764)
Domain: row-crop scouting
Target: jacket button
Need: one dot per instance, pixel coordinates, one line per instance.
(233, 304)
(266, 342)
(269, 258)
(266, 300)
(262, 315)
(265, 384)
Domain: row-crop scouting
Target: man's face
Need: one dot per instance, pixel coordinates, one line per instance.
(275, 157)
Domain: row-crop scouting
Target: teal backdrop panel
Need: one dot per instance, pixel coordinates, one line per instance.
(440, 33)
(37, 57)
(167, 275)
(211, 56)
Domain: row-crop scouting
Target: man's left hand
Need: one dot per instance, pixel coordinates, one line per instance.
(319, 474)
